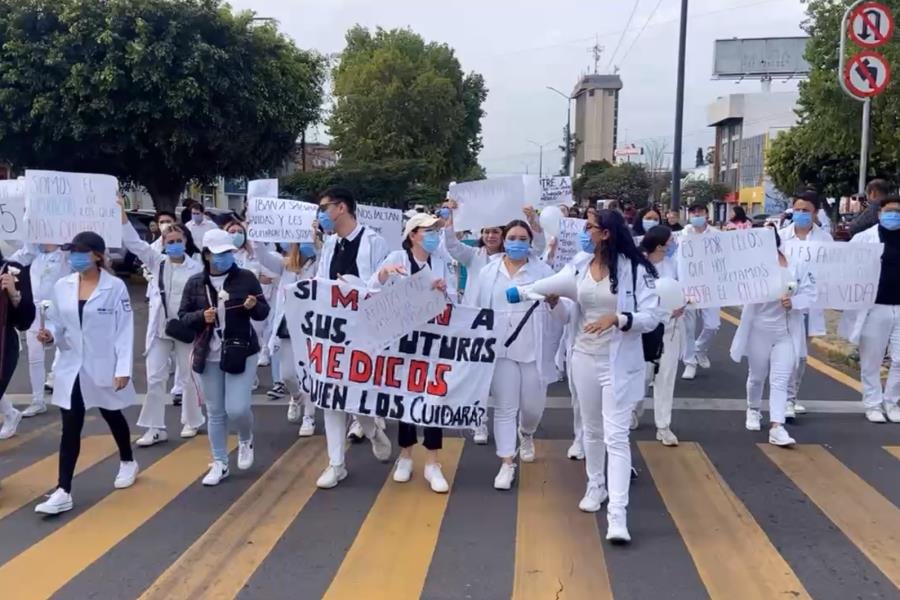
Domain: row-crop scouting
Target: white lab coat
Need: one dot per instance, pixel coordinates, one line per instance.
(372, 251)
(440, 268)
(96, 351)
(804, 297)
(852, 321)
(46, 269)
(817, 324)
(199, 230)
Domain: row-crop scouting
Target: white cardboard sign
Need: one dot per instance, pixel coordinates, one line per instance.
(556, 191)
(280, 220)
(567, 245)
(262, 188)
(12, 209)
(846, 275)
(491, 202)
(387, 222)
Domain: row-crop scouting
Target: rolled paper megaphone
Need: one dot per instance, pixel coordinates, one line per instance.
(671, 294)
(561, 284)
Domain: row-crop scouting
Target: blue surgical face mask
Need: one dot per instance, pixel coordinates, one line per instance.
(197, 217)
(431, 241)
(222, 262)
(890, 220)
(238, 238)
(671, 249)
(326, 221)
(802, 219)
(307, 249)
(698, 222)
(649, 224)
(517, 249)
(586, 243)
(175, 249)
(80, 261)
(443, 213)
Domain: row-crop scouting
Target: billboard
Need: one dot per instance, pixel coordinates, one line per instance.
(760, 58)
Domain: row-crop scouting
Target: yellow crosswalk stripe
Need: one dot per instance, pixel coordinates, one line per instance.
(222, 560)
(895, 450)
(390, 556)
(22, 487)
(45, 567)
(870, 520)
(733, 556)
(559, 553)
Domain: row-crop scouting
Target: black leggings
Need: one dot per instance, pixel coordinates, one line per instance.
(70, 444)
(407, 438)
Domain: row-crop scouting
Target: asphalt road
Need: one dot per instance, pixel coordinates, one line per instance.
(722, 516)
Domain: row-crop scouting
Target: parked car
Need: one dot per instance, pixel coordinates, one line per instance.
(759, 220)
(221, 216)
(125, 263)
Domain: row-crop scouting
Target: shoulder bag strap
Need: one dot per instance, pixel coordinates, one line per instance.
(162, 288)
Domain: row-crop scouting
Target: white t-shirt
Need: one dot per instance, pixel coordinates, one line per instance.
(215, 344)
(772, 316)
(175, 278)
(508, 316)
(595, 300)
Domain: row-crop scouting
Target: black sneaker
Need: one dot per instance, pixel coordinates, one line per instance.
(176, 399)
(277, 392)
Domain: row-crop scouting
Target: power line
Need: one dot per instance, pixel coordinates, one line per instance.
(647, 22)
(612, 57)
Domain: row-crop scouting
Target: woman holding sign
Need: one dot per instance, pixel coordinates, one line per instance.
(772, 337)
(421, 239)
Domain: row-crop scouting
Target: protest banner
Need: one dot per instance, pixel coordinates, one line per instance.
(59, 205)
(262, 188)
(556, 191)
(846, 275)
(280, 220)
(398, 308)
(730, 268)
(567, 244)
(438, 374)
(491, 202)
(387, 222)
(12, 209)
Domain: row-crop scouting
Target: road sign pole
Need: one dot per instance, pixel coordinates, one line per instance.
(864, 145)
(679, 109)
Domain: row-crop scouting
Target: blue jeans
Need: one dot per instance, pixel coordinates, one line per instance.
(227, 399)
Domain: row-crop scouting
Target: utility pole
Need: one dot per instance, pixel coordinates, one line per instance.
(679, 110)
(540, 156)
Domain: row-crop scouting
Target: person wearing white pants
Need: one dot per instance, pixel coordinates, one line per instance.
(659, 244)
(523, 369)
(772, 337)
(803, 228)
(615, 304)
(696, 347)
(170, 269)
(877, 330)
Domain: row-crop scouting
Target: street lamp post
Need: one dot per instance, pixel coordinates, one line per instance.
(540, 157)
(568, 126)
(679, 110)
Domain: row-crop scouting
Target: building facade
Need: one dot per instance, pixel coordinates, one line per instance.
(596, 118)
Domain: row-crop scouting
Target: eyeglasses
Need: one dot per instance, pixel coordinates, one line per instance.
(589, 226)
(327, 205)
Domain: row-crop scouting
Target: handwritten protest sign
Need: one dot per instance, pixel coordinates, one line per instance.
(399, 308)
(729, 268)
(846, 275)
(12, 209)
(556, 191)
(438, 374)
(491, 202)
(280, 220)
(567, 245)
(262, 188)
(60, 205)
(387, 222)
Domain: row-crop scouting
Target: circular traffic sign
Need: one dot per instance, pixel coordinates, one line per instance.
(867, 74)
(871, 24)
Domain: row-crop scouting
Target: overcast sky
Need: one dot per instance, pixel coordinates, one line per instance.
(521, 47)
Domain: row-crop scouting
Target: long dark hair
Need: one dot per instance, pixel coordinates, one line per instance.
(517, 223)
(638, 226)
(738, 215)
(657, 236)
(190, 248)
(620, 242)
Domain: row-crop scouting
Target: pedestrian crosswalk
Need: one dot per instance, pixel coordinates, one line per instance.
(702, 526)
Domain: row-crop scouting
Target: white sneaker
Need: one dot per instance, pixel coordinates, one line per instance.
(635, 421)
(593, 499)
(690, 372)
(617, 529)
(435, 477)
(356, 432)
(188, 432)
(128, 471)
(874, 415)
(278, 391)
(526, 447)
(58, 502)
(331, 477)
(255, 385)
(10, 425)
(504, 478)
(576, 451)
(217, 472)
(666, 437)
(35, 408)
(754, 418)
(152, 436)
(403, 469)
(790, 412)
(892, 411)
(381, 446)
(799, 408)
(308, 427)
(778, 436)
(263, 360)
(480, 435)
(703, 361)
(245, 454)
(293, 415)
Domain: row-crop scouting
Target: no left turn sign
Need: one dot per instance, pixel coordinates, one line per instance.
(871, 25)
(867, 74)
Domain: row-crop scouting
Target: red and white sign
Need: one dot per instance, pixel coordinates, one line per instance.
(871, 25)
(631, 150)
(867, 74)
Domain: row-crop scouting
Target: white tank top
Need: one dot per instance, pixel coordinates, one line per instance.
(595, 300)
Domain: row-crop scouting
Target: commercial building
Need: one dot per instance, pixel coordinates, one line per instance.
(596, 118)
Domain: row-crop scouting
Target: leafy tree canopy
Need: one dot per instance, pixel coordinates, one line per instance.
(626, 182)
(704, 191)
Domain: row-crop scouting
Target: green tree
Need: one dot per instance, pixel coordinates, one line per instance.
(155, 92)
(700, 160)
(588, 170)
(398, 97)
(704, 191)
(626, 182)
(823, 149)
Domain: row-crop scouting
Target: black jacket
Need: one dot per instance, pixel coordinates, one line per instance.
(239, 283)
(20, 317)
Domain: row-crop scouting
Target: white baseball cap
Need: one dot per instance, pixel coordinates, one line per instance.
(419, 220)
(218, 241)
